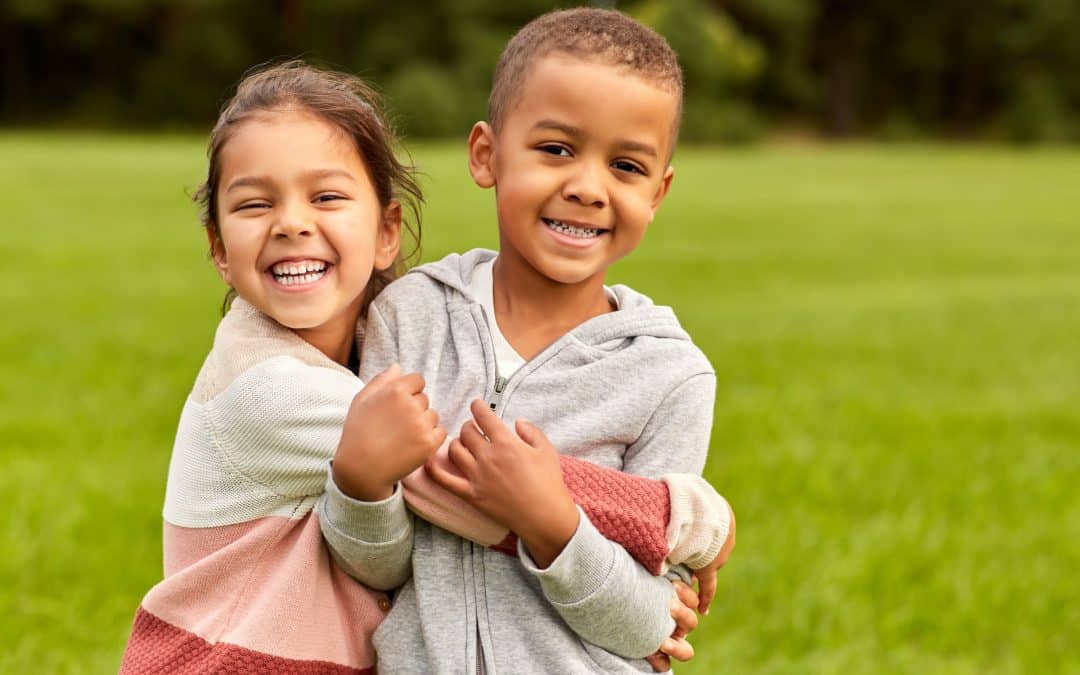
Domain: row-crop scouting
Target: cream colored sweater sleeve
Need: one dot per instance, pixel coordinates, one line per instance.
(700, 521)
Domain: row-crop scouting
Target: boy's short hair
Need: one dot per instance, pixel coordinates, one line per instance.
(603, 35)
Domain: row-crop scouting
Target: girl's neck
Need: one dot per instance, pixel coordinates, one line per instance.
(335, 339)
(534, 311)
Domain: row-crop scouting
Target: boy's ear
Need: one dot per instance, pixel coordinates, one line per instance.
(662, 190)
(482, 154)
(388, 238)
(218, 255)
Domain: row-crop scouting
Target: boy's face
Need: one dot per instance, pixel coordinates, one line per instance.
(579, 166)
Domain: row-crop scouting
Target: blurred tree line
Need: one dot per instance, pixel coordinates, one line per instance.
(955, 68)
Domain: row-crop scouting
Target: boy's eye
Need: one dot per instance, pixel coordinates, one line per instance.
(553, 149)
(628, 166)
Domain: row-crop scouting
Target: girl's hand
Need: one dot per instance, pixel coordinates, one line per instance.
(706, 576)
(676, 647)
(390, 430)
(514, 479)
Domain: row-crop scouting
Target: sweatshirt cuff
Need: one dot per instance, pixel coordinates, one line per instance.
(580, 569)
(372, 522)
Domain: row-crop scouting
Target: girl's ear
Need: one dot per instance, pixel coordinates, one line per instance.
(388, 238)
(218, 255)
(662, 190)
(482, 154)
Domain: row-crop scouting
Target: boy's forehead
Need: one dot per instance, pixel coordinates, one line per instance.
(600, 83)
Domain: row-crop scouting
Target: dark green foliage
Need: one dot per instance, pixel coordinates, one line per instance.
(1004, 68)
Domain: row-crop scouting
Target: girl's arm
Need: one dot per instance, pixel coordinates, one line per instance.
(677, 520)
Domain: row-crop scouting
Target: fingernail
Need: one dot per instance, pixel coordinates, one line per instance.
(668, 645)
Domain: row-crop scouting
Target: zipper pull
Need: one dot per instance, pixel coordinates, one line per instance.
(500, 385)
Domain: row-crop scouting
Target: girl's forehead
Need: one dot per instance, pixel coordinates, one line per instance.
(287, 142)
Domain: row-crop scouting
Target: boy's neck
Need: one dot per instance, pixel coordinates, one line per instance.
(534, 311)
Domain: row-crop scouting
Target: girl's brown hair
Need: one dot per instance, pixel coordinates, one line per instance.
(344, 101)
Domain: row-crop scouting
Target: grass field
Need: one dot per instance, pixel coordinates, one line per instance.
(895, 331)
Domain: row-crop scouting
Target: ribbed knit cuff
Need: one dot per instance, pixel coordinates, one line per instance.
(373, 522)
(579, 570)
(700, 521)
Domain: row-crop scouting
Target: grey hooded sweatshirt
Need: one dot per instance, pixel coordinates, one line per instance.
(627, 390)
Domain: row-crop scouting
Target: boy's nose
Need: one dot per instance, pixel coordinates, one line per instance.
(585, 187)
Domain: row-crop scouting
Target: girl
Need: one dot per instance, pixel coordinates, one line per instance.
(303, 207)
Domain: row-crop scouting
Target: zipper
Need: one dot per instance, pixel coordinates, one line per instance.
(496, 397)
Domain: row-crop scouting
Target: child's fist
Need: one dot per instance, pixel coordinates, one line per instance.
(390, 430)
(513, 477)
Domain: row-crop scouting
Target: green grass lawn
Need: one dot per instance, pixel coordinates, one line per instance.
(898, 409)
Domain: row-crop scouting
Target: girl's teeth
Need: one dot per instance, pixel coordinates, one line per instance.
(292, 274)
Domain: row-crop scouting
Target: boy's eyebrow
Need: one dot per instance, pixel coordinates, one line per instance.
(265, 181)
(577, 133)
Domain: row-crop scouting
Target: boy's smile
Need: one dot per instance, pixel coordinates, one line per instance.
(579, 165)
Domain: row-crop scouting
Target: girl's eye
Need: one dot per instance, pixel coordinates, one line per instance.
(629, 167)
(251, 206)
(557, 150)
(328, 197)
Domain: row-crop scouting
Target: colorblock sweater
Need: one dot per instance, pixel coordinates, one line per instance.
(250, 585)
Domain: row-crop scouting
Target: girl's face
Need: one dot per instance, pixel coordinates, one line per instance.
(301, 226)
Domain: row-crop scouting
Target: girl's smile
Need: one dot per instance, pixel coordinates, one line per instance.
(301, 226)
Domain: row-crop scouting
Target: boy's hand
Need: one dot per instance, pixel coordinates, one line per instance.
(706, 576)
(513, 478)
(389, 431)
(676, 647)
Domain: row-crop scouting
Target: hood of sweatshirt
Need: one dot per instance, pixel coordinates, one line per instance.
(637, 315)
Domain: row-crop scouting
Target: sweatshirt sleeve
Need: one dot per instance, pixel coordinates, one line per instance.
(597, 588)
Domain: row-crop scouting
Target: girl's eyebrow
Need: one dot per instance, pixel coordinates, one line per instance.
(266, 182)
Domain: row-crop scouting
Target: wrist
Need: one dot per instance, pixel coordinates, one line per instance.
(545, 537)
(360, 489)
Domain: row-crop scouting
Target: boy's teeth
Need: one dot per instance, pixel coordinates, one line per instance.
(580, 232)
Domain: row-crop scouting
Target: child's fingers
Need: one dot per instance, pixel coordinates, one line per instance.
(454, 483)
(413, 383)
(387, 375)
(678, 649)
(487, 420)
(660, 662)
(531, 434)
(438, 437)
(686, 594)
(462, 458)
(685, 620)
(706, 588)
(471, 437)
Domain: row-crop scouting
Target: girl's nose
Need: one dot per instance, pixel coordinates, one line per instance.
(293, 223)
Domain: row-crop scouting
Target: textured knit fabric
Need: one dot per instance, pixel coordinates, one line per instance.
(249, 584)
(627, 391)
(248, 579)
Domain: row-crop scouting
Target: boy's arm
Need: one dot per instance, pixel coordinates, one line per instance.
(598, 589)
(604, 596)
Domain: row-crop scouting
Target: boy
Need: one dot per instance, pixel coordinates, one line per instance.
(583, 117)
